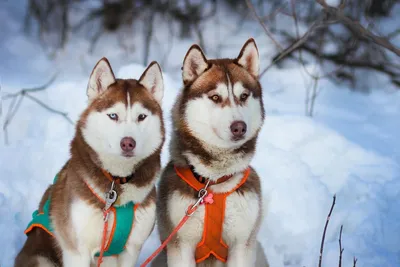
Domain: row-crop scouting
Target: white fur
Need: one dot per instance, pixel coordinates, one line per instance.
(44, 262)
(241, 216)
(142, 228)
(87, 224)
(104, 136)
(222, 91)
(225, 164)
(193, 65)
(152, 80)
(250, 59)
(100, 79)
(213, 126)
(134, 193)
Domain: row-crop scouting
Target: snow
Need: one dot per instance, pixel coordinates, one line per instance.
(349, 148)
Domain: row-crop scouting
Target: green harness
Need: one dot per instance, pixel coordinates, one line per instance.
(121, 229)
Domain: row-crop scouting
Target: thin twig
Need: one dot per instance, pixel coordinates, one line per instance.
(393, 34)
(45, 106)
(316, 25)
(324, 233)
(314, 96)
(267, 31)
(7, 120)
(340, 246)
(32, 90)
(274, 13)
(16, 101)
(354, 262)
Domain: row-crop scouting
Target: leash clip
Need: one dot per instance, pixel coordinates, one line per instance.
(201, 195)
(110, 197)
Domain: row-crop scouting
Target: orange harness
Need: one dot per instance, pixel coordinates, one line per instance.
(211, 242)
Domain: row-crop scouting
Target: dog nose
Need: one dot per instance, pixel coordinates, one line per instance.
(238, 128)
(127, 144)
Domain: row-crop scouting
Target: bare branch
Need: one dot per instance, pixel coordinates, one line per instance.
(357, 28)
(310, 99)
(332, 15)
(393, 34)
(16, 101)
(267, 31)
(322, 3)
(45, 106)
(324, 233)
(392, 71)
(340, 246)
(274, 13)
(12, 109)
(31, 90)
(316, 25)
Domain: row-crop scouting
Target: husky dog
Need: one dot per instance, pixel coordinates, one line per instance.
(116, 149)
(216, 118)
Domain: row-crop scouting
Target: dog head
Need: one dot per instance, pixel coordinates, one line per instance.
(221, 103)
(123, 123)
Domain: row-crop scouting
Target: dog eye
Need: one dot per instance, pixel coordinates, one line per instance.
(215, 98)
(141, 117)
(113, 116)
(244, 96)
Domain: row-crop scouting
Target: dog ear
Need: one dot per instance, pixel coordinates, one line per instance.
(152, 80)
(101, 78)
(248, 58)
(194, 64)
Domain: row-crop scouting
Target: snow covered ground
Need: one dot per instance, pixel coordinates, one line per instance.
(349, 148)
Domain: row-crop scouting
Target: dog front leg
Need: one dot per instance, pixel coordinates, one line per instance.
(181, 255)
(241, 255)
(76, 258)
(129, 257)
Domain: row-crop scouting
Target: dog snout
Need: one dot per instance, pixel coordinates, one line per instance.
(127, 144)
(238, 129)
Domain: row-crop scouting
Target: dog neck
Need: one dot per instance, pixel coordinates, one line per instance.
(208, 161)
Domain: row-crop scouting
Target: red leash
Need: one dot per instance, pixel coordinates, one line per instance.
(110, 198)
(103, 240)
(204, 198)
(189, 213)
(191, 210)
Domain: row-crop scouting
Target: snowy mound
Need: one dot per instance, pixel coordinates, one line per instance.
(303, 162)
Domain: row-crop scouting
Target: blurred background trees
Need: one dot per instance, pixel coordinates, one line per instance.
(341, 50)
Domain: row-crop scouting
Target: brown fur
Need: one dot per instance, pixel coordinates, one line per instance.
(84, 162)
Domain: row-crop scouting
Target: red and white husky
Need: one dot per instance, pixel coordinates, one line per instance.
(217, 118)
(118, 141)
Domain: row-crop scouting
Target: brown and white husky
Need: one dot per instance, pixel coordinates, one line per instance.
(118, 141)
(216, 119)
